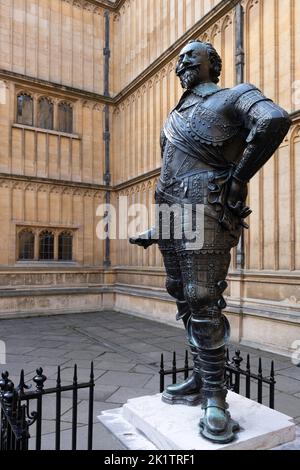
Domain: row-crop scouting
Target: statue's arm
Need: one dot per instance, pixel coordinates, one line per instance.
(145, 239)
(268, 124)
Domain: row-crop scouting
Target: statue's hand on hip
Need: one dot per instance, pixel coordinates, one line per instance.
(237, 196)
(145, 239)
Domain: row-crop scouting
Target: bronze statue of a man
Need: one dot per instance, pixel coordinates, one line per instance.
(213, 142)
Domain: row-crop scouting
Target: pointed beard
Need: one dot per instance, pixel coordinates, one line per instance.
(190, 78)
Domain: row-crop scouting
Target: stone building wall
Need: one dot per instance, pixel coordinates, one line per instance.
(51, 180)
(60, 41)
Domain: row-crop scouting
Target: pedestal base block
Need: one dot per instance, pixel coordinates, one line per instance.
(147, 423)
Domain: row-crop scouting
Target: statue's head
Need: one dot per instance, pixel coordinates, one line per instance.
(198, 62)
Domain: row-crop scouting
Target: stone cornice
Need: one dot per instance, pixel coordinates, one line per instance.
(48, 181)
(112, 6)
(106, 4)
(27, 80)
(295, 116)
(138, 179)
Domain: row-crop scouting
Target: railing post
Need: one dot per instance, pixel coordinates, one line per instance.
(161, 375)
(248, 378)
(2, 427)
(9, 401)
(229, 372)
(3, 424)
(74, 409)
(237, 359)
(39, 380)
(186, 365)
(174, 369)
(260, 383)
(58, 410)
(25, 433)
(91, 408)
(272, 387)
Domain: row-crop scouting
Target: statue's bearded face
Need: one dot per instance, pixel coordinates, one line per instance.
(193, 66)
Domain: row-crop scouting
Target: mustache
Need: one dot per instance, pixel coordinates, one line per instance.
(180, 70)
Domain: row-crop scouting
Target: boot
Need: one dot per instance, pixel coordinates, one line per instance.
(187, 392)
(216, 425)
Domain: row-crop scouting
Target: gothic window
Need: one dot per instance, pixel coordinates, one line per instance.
(26, 245)
(65, 244)
(45, 113)
(46, 246)
(65, 117)
(24, 109)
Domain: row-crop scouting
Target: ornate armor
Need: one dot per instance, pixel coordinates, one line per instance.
(213, 142)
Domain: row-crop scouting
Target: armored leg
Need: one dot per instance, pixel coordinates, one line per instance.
(208, 332)
(187, 392)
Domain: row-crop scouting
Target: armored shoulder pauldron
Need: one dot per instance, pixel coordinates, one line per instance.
(207, 126)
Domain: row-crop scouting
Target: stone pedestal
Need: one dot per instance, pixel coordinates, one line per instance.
(146, 423)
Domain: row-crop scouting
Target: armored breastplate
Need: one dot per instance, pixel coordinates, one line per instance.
(204, 132)
(177, 163)
(206, 125)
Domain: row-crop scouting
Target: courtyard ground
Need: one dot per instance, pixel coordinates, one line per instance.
(126, 352)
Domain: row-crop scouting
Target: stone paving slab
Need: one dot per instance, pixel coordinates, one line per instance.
(287, 404)
(18, 358)
(49, 427)
(287, 384)
(83, 411)
(110, 356)
(116, 366)
(103, 440)
(292, 372)
(49, 406)
(123, 394)
(124, 379)
(101, 392)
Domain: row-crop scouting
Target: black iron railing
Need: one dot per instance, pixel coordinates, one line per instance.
(17, 417)
(233, 374)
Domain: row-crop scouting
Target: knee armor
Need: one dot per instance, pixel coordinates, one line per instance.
(208, 332)
(175, 288)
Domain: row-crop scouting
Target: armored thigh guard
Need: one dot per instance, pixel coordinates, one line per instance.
(208, 329)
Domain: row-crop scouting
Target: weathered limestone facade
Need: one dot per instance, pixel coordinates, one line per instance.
(49, 179)
(54, 180)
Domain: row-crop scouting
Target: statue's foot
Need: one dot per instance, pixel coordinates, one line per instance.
(217, 425)
(185, 393)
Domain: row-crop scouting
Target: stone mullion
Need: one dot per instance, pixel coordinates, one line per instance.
(35, 110)
(56, 234)
(55, 114)
(36, 245)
